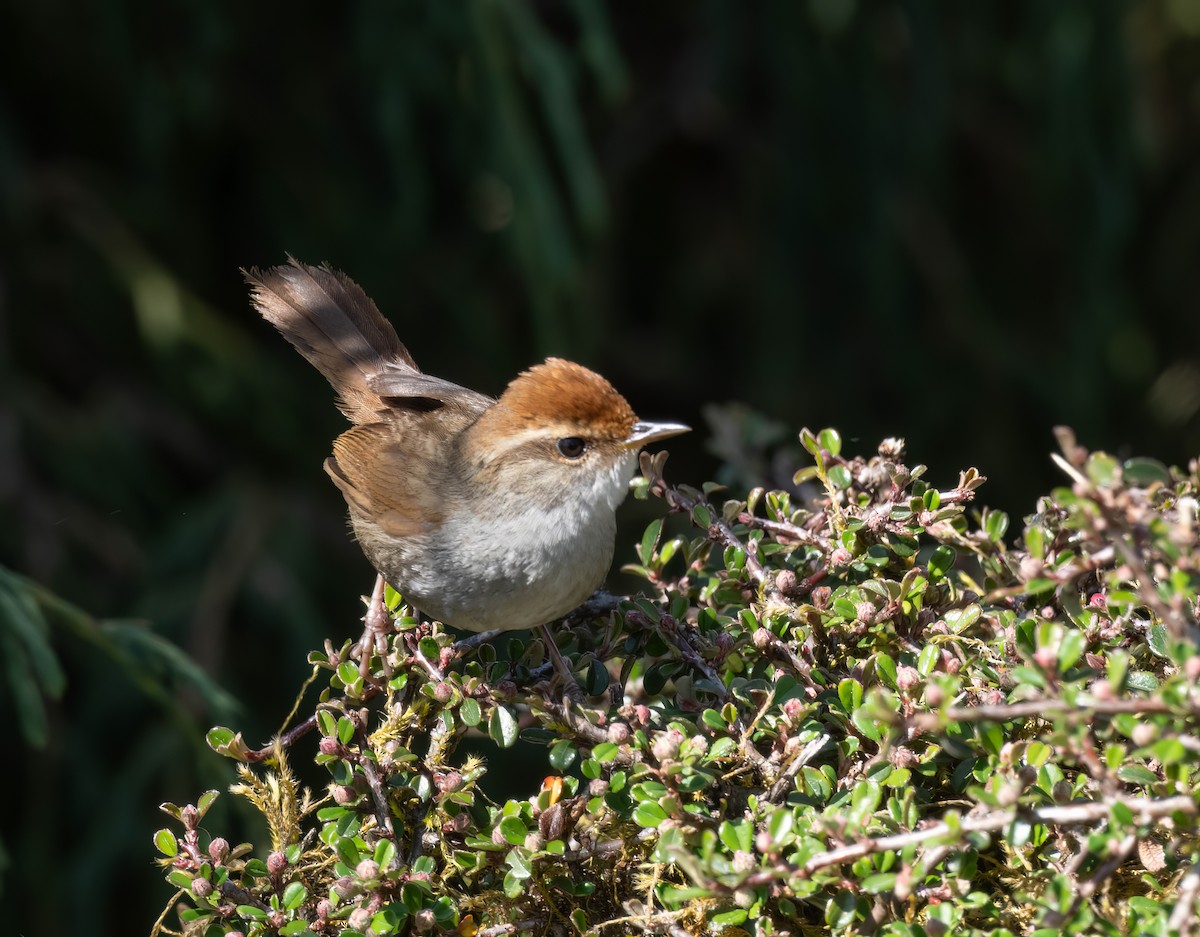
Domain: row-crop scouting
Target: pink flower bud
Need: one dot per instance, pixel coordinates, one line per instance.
(367, 869)
(743, 861)
(329, 745)
(907, 677)
(666, 744)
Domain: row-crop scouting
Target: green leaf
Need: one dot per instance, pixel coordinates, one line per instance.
(1169, 751)
(32, 666)
(293, 896)
(650, 540)
(649, 814)
(886, 668)
(1144, 472)
(1141, 680)
(877, 555)
(1035, 542)
(831, 440)
(654, 680)
(469, 712)
(502, 727)
(1157, 641)
(927, 659)
(779, 825)
(674, 895)
(1137, 774)
(879, 883)
(941, 561)
(1071, 649)
(1039, 585)
(866, 724)
(737, 834)
(1101, 468)
(996, 526)
(850, 693)
(562, 754)
(514, 885)
(514, 830)
(385, 853)
(389, 919)
(597, 679)
(991, 736)
(429, 648)
(166, 843)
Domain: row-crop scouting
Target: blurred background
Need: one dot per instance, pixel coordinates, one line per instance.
(962, 224)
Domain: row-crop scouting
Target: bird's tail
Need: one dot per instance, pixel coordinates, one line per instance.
(335, 325)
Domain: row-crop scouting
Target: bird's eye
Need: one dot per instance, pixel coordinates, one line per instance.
(571, 447)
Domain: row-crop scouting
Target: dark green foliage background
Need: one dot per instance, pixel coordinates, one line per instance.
(959, 223)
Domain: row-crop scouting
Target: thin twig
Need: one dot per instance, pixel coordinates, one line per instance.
(1144, 809)
(783, 783)
(1183, 917)
(784, 529)
(376, 624)
(383, 814)
(1086, 889)
(1005, 712)
(579, 727)
(499, 930)
(720, 532)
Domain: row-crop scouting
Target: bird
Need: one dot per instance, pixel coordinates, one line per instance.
(484, 513)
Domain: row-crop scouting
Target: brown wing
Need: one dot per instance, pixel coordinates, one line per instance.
(392, 472)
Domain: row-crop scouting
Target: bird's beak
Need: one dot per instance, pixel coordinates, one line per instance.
(650, 432)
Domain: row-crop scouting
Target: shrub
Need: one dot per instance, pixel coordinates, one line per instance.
(865, 711)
